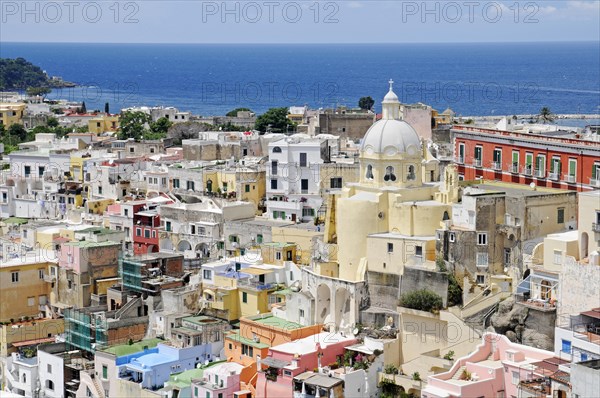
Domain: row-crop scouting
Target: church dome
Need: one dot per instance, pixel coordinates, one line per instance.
(390, 97)
(391, 137)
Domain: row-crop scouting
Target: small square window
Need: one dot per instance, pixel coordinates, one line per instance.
(390, 247)
(482, 238)
(560, 216)
(419, 251)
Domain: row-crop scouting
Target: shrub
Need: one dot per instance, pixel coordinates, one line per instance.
(390, 369)
(449, 355)
(416, 376)
(465, 375)
(423, 300)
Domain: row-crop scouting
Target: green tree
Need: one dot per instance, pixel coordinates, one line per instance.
(454, 289)
(366, 103)
(52, 122)
(34, 91)
(133, 125)
(546, 115)
(275, 120)
(106, 107)
(83, 108)
(160, 127)
(18, 132)
(234, 112)
(422, 300)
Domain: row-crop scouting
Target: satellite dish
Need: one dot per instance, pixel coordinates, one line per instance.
(532, 185)
(355, 331)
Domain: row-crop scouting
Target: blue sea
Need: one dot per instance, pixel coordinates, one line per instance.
(472, 79)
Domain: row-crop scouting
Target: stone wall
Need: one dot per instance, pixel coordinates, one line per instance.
(417, 279)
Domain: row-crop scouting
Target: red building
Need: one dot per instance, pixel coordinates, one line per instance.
(566, 161)
(146, 230)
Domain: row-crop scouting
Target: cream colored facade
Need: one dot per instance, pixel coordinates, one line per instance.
(11, 113)
(248, 183)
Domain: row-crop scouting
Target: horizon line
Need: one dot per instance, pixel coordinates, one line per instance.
(305, 43)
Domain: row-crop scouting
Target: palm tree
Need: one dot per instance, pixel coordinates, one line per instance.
(546, 115)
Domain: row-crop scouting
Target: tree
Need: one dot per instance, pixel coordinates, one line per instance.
(546, 115)
(454, 289)
(422, 300)
(133, 124)
(106, 108)
(158, 129)
(34, 91)
(234, 112)
(83, 108)
(366, 103)
(275, 120)
(52, 122)
(18, 132)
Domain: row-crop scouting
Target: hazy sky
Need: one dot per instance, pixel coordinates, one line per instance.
(151, 21)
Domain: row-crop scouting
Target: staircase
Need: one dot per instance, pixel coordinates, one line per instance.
(458, 373)
(99, 388)
(129, 305)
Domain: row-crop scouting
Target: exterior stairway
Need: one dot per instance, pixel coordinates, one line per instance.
(99, 389)
(458, 373)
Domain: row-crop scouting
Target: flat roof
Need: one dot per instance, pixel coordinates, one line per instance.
(127, 349)
(89, 243)
(257, 271)
(236, 336)
(277, 322)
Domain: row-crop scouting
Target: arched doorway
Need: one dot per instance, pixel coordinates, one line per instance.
(209, 185)
(183, 245)
(202, 250)
(323, 303)
(342, 307)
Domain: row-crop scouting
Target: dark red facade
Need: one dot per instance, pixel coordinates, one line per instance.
(549, 161)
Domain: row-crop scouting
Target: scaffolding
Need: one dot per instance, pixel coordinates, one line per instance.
(85, 330)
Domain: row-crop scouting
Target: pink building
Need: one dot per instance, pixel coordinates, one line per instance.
(284, 362)
(497, 368)
(218, 381)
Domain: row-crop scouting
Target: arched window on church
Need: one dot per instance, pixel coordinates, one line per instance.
(411, 173)
(369, 175)
(277, 150)
(389, 174)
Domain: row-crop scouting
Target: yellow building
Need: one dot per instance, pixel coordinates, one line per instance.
(23, 290)
(11, 113)
(34, 332)
(242, 182)
(103, 124)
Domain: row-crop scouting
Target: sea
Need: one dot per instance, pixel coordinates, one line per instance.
(471, 79)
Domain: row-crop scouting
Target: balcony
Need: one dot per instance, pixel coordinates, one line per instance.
(540, 173)
(595, 182)
(554, 176)
(514, 168)
(49, 278)
(496, 165)
(596, 227)
(459, 159)
(477, 162)
(528, 170)
(256, 284)
(571, 179)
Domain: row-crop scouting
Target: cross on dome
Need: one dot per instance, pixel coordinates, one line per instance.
(391, 82)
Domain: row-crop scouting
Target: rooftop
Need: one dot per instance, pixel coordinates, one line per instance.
(127, 349)
(87, 243)
(236, 336)
(274, 321)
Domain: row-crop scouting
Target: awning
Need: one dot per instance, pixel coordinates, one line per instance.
(274, 362)
(34, 342)
(257, 271)
(209, 291)
(592, 314)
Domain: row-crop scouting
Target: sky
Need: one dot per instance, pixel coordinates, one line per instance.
(275, 21)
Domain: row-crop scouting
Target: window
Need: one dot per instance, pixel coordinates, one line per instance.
(138, 232)
(389, 174)
(131, 149)
(190, 185)
(308, 212)
(595, 172)
(461, 153)
(277, 150)
(49, 368)
(41, 273)
(193, 229)
(540, 165)
(560, 215)
(480, 279)
(506, 256)
(168, 226)
(50, 385)
(390, 247)
(207, 274)
(304, 185)
(411, 176)
(301, 313)
(247, 188)
(41, 170)
(99, 190)
(273, 184)
(176, 183)
(30, 301)
(566, 346)
(482, 259)
(482, 238)
(515, 160)
(335, 182)
(247, 350)
(498, 158)
(572, 167)
(452, 237)
(146, 233)
(274, 164)
(220, 394)
(557, 257)
(15, 276)
(278, 256)
(27, 171)
(303, 161)
(478, 151)
(419, 251)
(369, 173)
(244, 297)
(259, 238)
(515, 378)
(104, 372)
(195, 392)
(208, 394)
(224, 187)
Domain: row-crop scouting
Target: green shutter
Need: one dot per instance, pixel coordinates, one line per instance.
(515, 158)
(594, 170)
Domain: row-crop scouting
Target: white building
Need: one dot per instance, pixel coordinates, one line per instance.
(293, 176)
(21, 375)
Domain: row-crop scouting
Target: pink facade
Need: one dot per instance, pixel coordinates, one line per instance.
(495, 368)
(218, 381)
(299, 356)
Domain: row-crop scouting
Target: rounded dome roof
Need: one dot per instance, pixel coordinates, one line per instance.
(391, 137)
(390, 97)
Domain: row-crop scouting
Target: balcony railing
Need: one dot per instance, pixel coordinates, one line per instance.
(596, 227)
(540, 173)
(460, 159)
(554, 176)
(477, 162)
(514, 168)
(528, 170)
(497, 165)
(255, 284)
(49, 278)
(571, 179)
(595, 182)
